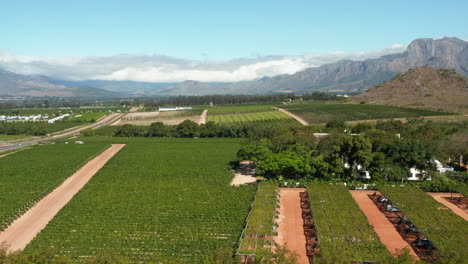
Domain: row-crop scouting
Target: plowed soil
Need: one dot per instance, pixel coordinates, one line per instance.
(18, 235)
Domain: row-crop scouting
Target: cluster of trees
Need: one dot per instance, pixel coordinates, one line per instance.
(237, 99)
(387, 150)
(29, 128)
(190, 129)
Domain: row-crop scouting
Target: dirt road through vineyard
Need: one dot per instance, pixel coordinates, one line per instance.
(387, 233)
(18, 235)
(290, 224)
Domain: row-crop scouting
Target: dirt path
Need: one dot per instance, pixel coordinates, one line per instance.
(440, 198)
(300, 120)
(203, 117)
(387, 233)
(244, 174)
(26, 227)
(290, 224)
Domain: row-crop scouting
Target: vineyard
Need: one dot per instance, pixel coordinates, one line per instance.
(156, 199)
(249, 117)
(259, 230)
(319, 112)
(29, 175)
(224, 110)
(343, 230)
(445, 229)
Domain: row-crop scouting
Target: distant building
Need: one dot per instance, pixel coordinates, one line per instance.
(173, 108)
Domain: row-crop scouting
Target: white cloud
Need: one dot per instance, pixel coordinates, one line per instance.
(160, 68)
(398, 46)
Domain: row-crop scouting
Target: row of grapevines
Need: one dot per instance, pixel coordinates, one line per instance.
(156, 199)
(239, 109)
(343, 230)
(259, 230)
(444, 228)
(247, 117)
(29, 175)
(320, 112)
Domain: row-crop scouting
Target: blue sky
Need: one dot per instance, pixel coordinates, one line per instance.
(171, 41)
(221, 30)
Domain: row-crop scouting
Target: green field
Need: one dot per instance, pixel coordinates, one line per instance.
(222, 110)
(248, 117)
(258, 234)
(29, 175)
(156, 199)
(319, 112)
(444, 228)
(343, 231)
(4, 137)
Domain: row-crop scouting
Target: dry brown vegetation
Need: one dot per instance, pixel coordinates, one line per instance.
(423, 87)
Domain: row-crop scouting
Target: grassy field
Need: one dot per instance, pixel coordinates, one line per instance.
(320, 112)
(12, 137)
(29, 175)
(156, 199)
(248, 117)
(343, 231)
(444, 228)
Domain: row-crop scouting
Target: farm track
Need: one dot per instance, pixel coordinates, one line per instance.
(202, 119)
(290, 223)
(387, 233)
(439, 197)
(18, 235)
(299, 119)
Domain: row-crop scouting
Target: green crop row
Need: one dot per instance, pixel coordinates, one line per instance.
(444, 228)
(222, 110)
(29, 175)
(343, 231)
(320, 112)
(156, 199)
(259, 230)
(247, 117)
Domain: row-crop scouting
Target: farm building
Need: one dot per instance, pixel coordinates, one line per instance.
(173, 108)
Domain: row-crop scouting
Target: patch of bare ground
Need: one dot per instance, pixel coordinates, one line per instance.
(291, 224)
(202, 119)
(18, 235)
(244, 174)
(455, 202)
(386, 231)
(299, 119)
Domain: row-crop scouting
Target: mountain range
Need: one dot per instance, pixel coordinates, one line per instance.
(345, 76)
(12, 84)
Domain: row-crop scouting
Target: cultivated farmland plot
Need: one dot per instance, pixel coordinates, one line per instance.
(343, 231)
(164, 198)
(320, 112)
(258, 234)
(444, 228)
(168, 118)
(29, 175)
